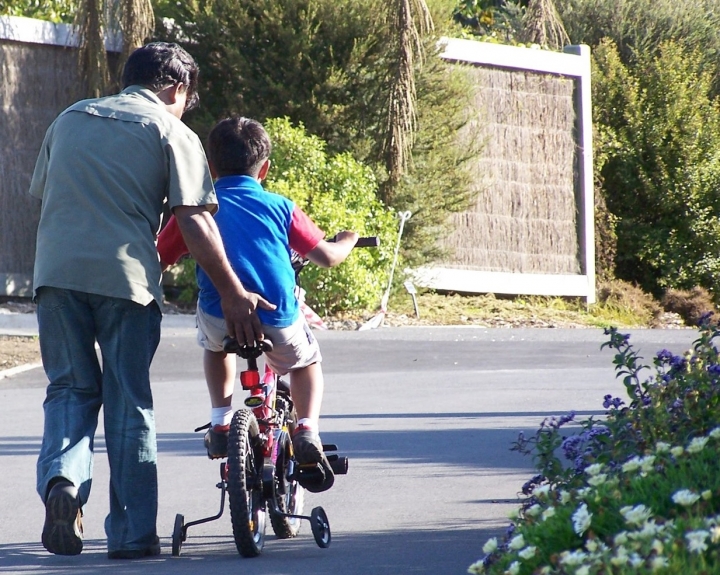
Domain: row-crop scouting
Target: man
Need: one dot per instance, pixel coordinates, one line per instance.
(104, 171)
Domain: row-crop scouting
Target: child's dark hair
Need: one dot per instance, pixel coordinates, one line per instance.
(238, 147)
(158, 65)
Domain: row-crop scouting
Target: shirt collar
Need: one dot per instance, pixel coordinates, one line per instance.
(144, 92)
(237, 181)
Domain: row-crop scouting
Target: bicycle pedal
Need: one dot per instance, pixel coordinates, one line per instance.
(329, 447)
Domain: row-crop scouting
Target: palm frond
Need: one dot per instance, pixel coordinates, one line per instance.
(542, 25)
(410, 21)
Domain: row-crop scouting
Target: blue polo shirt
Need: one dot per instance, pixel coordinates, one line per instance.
(255, 227)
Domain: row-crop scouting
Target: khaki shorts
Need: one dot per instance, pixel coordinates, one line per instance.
(294, 347)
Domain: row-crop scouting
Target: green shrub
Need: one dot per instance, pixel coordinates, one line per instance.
(338, 193)
(328, 65)
(658, 137)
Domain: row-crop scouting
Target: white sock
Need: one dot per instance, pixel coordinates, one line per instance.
(308, 423)
(221, 416)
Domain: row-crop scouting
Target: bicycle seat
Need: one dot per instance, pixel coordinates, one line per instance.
(231, 345)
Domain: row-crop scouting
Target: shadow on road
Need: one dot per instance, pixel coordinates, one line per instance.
(433, 551)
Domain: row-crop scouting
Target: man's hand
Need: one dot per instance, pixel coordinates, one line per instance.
(205, 244)
(241, 320)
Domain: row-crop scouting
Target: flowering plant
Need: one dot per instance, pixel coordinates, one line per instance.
(638, 491)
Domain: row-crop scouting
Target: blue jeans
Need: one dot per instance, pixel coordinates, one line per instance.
(128, 334)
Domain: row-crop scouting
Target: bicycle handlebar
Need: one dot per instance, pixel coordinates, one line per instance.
(368, 242)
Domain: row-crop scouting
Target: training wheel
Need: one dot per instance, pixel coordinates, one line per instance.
(177, 536)
(320, 527)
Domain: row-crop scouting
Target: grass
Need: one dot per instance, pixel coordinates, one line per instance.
(530, 311)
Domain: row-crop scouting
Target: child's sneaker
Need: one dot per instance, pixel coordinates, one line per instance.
(216, 441)
(315, 473)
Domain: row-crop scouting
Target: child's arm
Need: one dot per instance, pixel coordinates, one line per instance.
(170, 244)
(328, 254)
(307, 240)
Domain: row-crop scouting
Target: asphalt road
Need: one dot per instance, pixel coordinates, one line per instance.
(426, 415)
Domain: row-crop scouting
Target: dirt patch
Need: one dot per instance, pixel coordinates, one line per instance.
(18, 350)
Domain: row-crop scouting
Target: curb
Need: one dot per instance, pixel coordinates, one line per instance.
(18, 369)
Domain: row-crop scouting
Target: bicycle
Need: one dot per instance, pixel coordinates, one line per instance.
(261, 477)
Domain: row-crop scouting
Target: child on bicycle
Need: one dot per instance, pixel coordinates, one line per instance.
(259, 229)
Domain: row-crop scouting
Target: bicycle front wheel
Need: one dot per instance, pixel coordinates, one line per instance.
(245, 488)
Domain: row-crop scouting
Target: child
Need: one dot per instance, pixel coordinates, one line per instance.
(259, 229)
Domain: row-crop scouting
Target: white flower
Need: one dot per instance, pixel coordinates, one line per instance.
(715, 534)
(477, 568)
(545, 570)
(636, 515)
(658, 546)
(549, 512)
(631, 464)
(572, 558)
(541, 491)
(594, 469)
(658, 562)
(621, 538)
(696, 540)
(677, 451)
(533, 511)
(514, 514)
(685, 497)
(621, 557)
(649, 529)
(598, 479)
(636, 560)
(490, 546)
(591, 545)
(565, 497)
(697, 445)
(662, 447)
(514, 568)
(517, 542)
(715, 433)
(527, 553)
(646, 463)
(581, 519)
(583, 570)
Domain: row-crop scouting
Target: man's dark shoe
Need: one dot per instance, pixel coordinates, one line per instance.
(62, 533)
(314, 471)
(216, 441)
(151, 551)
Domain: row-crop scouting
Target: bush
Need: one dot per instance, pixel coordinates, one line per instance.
(691, 305)
(338, 193)
(622, 295)
(639, 28)
(327, 65)
(658, 134)
(636, 493)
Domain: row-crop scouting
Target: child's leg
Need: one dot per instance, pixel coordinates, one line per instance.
(306, 389)
(220, 377)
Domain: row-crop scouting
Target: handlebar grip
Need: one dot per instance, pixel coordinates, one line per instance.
(368, 242)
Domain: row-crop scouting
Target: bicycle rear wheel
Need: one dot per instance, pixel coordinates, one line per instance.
(245, 491)
(289, 496)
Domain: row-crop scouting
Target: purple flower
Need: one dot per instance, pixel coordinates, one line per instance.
(610, 401)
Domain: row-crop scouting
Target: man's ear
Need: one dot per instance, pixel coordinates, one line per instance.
(262, 174)
(174, 97)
